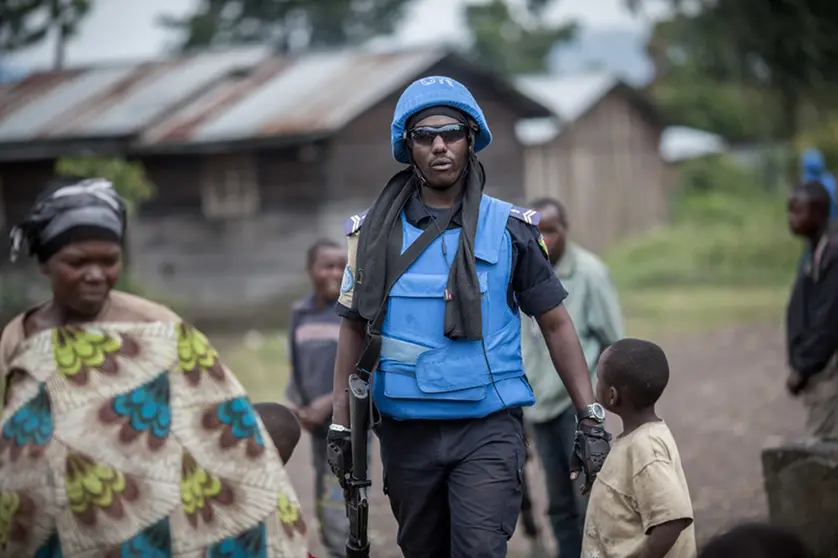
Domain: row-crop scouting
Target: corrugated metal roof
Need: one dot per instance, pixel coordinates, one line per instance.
(218, 97)
(110, 101)
(310, 94)
(569, 97)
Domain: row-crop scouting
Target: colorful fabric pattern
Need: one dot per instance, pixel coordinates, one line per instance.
(134, 440)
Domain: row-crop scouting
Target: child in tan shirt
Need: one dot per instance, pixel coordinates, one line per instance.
(640, 505)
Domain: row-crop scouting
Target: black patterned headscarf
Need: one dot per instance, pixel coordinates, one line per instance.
(71, 210)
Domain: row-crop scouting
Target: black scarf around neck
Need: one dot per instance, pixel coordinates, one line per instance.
(379, 245)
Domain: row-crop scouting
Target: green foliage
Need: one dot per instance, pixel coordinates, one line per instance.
(785, 48)
(503, 42)
(727, 230)
(128, 177)
(286, 25)
(824, 136)
(736, 113)
(27, 23)
(720, 175)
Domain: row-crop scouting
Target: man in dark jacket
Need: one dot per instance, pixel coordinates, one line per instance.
(812, 316)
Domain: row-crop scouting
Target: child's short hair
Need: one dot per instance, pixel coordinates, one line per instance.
(755, 540)
(638, 369)
(282, 426)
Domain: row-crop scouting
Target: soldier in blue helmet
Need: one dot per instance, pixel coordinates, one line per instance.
(437, 275)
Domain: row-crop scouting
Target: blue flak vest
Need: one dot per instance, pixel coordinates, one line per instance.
(424, 375)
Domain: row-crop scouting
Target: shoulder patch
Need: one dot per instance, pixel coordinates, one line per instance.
(353, 224)
(348, 282)
(528, 216)
(543, 245)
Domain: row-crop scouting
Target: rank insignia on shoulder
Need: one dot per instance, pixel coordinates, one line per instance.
(353, 224)
(528, 216)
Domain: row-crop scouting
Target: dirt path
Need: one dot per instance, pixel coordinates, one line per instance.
(724, 400)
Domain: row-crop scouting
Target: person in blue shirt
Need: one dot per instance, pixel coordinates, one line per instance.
(813, 169)
(437, 275)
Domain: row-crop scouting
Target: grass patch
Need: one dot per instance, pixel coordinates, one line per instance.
(727, 257)
(673, 310)
(715, 240)
(259, 360)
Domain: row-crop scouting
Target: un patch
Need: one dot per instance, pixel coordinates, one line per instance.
(348, 280)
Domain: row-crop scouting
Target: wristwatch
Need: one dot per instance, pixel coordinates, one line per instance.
(338, 428)
(594, 411)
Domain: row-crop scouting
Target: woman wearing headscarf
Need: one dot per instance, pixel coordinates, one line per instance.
(122, 432)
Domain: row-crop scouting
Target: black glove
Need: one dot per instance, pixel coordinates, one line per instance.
(339, 454)
(590, 449)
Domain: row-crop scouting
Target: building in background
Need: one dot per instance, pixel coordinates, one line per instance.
(600, 155)
(680, 144)
(253, 157)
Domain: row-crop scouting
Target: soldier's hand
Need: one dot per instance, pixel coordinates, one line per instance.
(590, 449)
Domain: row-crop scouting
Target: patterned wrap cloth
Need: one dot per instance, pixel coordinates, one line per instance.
(133, 440)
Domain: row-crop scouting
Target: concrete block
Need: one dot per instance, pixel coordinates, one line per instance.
(801, 485)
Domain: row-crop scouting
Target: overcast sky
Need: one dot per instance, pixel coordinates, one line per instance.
(127, 29)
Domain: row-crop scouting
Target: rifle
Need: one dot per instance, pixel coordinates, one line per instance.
(353, 471)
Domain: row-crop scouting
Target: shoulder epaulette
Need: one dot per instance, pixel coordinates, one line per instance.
(528, 216)
(353, 224)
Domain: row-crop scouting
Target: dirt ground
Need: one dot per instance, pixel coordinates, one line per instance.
(725, 399)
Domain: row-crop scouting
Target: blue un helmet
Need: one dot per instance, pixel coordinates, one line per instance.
(434, 91)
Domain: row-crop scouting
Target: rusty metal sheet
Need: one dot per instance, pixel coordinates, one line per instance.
(25, 123)
(171, 84)
(316, 93)
(179, 126)
(15, 95)
(232, 95)
(113, 101)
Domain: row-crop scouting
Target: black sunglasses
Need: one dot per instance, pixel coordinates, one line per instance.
(450, 133)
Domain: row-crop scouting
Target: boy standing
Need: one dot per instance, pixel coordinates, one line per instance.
(312, 346)
(640, 505)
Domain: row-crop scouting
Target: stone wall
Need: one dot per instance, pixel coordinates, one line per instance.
(801, 484)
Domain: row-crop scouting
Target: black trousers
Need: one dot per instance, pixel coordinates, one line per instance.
(454, 486)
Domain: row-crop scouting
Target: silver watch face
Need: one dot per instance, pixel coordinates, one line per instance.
(598, 411)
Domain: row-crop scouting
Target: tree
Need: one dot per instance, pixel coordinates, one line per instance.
(698, 82)
(128, 178)
(28, 22)
(287, 25)
(786, 47)
(514, 45)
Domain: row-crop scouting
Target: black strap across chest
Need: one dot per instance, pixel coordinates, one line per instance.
(371, 353)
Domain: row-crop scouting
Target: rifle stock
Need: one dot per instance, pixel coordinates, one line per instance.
(357, 504)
